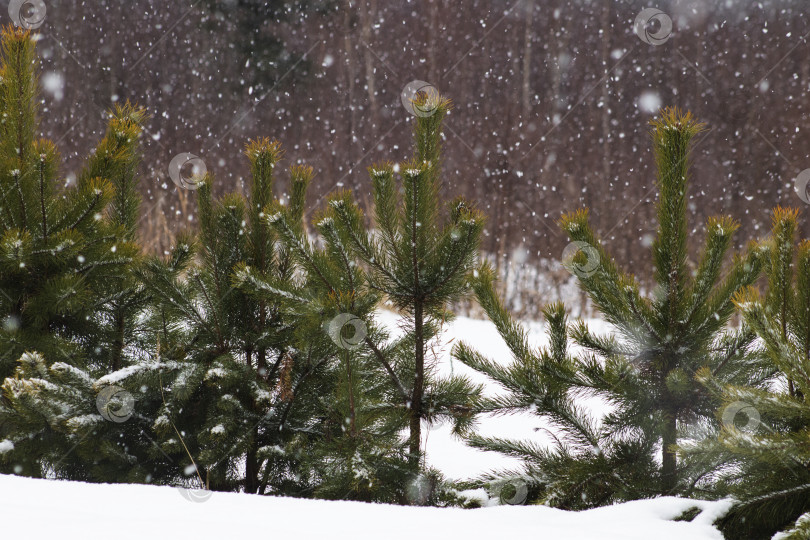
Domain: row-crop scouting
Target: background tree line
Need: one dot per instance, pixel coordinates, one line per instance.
(546, 97)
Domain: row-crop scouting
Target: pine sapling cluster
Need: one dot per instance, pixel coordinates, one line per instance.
(381, 385)
(251, 358)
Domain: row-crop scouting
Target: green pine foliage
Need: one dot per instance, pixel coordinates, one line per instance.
(221, 357)
(355, 412)
(645, 371)
(53, 242)
(583, 467)
(420, 263)
(68, 301)
(764, 425)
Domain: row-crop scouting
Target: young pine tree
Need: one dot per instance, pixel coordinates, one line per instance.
(351, 448)
(645, 369)
(418, 263)
(223, 357)
(68, 302)
(53, 242)
(583, 467)
(764, 425)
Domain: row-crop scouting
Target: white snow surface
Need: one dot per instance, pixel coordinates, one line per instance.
(447, 452)
(41, 509)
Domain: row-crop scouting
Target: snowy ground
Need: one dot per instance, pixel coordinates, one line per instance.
(67, 510)
(448, 453)
(41, 509)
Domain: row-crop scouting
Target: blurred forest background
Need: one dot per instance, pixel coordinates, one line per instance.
(552, 104)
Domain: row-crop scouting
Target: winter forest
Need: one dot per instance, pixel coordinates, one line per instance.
(420, 268)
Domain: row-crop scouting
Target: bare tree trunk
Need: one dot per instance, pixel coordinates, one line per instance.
(351, 123)
(606, 95)
(433, 34)
(366, 18)
(527, 62)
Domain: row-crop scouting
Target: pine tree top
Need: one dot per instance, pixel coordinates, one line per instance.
(431, 103)
(128, 114)
(672, 120)
(784, 216)
(264, 148)
(11, 35)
